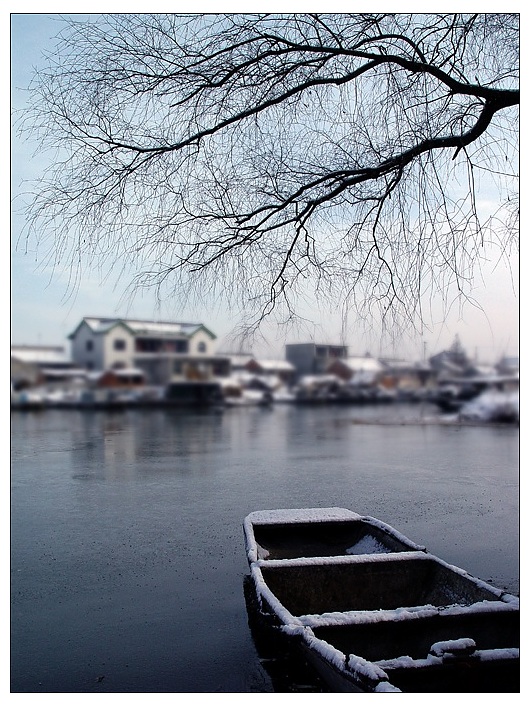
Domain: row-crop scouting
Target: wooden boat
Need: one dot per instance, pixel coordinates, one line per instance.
(374, 612)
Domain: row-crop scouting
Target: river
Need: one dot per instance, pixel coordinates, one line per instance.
(127, 553)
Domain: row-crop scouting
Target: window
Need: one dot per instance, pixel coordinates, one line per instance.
(120, 344)
(90, 345)
(201, 347)
(148, 345)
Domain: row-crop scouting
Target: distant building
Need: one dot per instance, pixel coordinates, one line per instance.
(42, 356)
(119, 377)
(362, 370)
(313, 358)
(508, 365)
(36, 365)
(24, 374)
(238, 361)
(164, 351)
(281, 369)
(453, 362)
(405, 377)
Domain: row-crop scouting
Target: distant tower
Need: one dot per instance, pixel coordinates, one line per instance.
(458, 353)
(457, 348)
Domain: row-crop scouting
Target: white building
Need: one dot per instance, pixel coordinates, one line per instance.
(164, 351)
(42, 356)
(36, 364)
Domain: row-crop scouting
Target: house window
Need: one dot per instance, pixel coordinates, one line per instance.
(120, 344)
(201, 347)
(148, 345)
(90, 345)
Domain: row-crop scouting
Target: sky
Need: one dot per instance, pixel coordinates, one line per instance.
(44, 309)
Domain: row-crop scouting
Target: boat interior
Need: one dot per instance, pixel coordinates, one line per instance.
(391, 639)
(332, 538)
(313, 588)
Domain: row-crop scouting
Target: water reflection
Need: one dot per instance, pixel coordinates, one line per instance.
(116, 442)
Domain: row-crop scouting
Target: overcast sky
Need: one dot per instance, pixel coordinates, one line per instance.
(44, 309)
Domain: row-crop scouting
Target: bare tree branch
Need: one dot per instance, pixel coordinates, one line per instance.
(254, 155)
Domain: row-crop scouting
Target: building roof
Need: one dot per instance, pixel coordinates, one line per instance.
(317, 345)
(138, 327)
(41, 355)
(237, 360)
(398, 365)
(274, 365)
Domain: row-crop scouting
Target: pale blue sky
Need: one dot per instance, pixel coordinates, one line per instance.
(44, 310)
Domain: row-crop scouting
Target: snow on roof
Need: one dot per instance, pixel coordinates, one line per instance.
(246, 378)
(64, 372)
(40, 354)
(363, 364)
(308, 380)
(163, 329)
(94, 374)
(126, 372)
(140, 327)
(118, 372)
(404, 365)
(238, 359)
(274, 365)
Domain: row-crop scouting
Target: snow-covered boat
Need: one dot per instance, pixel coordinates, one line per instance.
(374, 612)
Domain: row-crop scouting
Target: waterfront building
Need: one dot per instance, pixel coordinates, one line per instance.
(362, 370)
(313, 358)
(165, 351)
(281, 369)
(51, 357)
(37, 364)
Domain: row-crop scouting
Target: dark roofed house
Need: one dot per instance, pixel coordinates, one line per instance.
(453, 362)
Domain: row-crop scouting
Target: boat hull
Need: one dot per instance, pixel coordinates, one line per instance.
(373, 611)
